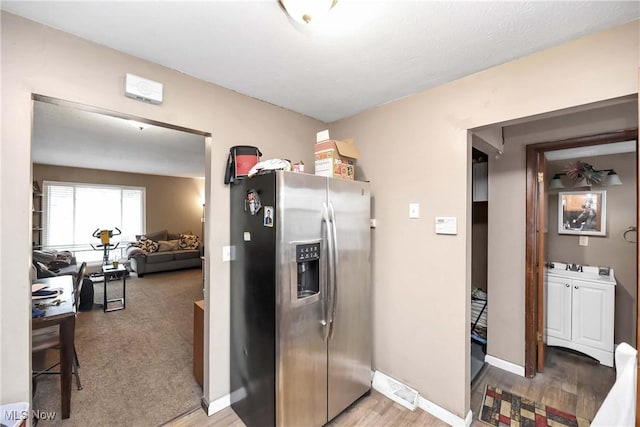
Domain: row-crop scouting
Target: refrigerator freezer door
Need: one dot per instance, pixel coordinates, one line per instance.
(253, 304)
(301, 352)
(349, 361)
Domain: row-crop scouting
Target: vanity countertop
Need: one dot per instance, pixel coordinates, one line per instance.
(588, 273)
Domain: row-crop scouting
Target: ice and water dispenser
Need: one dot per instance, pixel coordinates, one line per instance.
(308, 269)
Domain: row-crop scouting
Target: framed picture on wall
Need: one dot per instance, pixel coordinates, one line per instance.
(582, 212)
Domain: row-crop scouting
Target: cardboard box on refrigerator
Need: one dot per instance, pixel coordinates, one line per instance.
(335, 158)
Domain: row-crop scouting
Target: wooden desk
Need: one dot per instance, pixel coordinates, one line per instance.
(198, 340)
(63, 315)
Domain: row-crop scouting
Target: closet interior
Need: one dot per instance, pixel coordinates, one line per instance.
(479, 302)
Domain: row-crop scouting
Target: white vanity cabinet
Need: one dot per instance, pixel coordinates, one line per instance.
(579, 311)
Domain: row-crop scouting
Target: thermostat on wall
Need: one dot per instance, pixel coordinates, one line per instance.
(142, 89)
(446, 225)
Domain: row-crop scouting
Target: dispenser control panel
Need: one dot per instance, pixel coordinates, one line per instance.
(308, 270)
(308, 252)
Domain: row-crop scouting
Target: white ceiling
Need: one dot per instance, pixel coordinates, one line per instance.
(591, 151)
(65, 136)
(369, 53)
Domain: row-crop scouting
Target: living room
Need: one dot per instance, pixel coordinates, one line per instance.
(71, 167)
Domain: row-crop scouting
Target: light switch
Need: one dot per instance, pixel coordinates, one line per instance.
(226, 253)
(414, 210)
(584, 241)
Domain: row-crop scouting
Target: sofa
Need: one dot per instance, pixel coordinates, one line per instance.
(52, 263)
(164, 251)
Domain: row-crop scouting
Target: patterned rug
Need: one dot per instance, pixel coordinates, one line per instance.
(502, 408)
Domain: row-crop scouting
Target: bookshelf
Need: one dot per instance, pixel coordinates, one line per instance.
(37, 212)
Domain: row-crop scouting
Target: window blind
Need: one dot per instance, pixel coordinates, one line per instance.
(73, 211)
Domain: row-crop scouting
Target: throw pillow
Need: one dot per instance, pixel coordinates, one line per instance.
(149, 246)
(167, 245)
(146, 245)
(188, 241)
(176, 236)
(155, 236)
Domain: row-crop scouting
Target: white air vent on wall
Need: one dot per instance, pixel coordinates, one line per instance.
(395, 390)
(143, 89)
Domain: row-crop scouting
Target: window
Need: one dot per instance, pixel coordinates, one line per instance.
(73, 211)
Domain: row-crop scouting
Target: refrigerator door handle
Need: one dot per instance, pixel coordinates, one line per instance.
(334, 269)
(325, 299)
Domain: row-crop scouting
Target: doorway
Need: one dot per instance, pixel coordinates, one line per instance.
(111, 156)
(479, 251)
(536, 251)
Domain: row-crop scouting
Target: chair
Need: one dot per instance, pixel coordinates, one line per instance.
(49, 338)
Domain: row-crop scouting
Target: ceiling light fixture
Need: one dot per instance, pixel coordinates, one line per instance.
(307, 11)
(585, 175)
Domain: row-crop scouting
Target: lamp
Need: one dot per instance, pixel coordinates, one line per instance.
(612, 178)
(556, 182)
(307, 11)
(585, 175)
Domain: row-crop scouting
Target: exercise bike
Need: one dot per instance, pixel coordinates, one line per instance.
(105, 242)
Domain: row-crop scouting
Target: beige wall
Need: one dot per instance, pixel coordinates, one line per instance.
(38, 59)
(416, 150)
(172, 203)
(606, 251)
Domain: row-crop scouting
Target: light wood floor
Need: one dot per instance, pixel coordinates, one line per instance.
(572, 383)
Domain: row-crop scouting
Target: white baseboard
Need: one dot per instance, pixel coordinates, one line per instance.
(217, 405)
(504, 365)
(422, 403)
(443, 414)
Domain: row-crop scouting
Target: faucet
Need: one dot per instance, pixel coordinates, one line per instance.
(574, 267)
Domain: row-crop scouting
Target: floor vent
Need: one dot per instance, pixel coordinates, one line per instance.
(396, 391)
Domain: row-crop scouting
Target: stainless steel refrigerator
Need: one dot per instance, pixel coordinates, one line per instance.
(300, 298)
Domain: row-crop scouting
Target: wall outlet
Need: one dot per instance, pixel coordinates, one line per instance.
(226, 253)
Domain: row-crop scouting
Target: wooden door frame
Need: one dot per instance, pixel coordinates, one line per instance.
(531, 294)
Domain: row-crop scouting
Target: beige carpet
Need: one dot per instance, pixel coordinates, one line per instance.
(135, 364)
